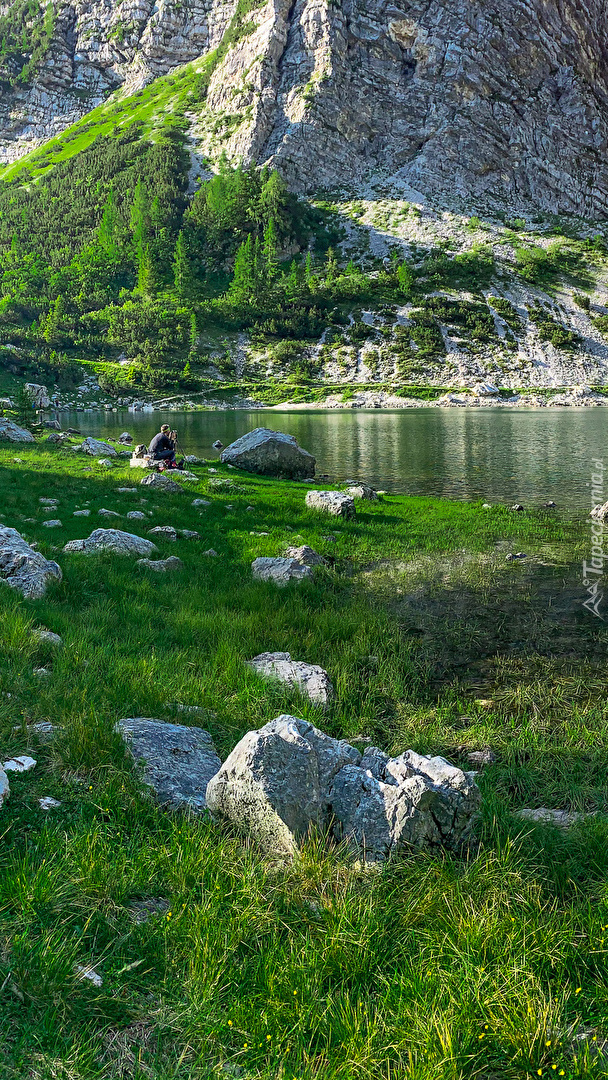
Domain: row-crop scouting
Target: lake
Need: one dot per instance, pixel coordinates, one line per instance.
(495, 454)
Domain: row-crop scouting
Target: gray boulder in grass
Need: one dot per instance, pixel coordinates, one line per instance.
(13, 433)
(280, 571)
(177, 761)
(331, 502)
(114, 540)
(4, 787)
(309, 679)
(97, 448)
(23, 568)
(160, 483)
(269, 453)
(288, 778)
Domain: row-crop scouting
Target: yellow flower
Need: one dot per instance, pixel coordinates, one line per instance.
(295, 993)
(230, 1023)
(539, 1072)
(481, 1036)
(578, 990)
(244, 1046)
(548, 1043)
(268, 1038)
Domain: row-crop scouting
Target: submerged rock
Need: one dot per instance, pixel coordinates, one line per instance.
(310, 679)
(23, 568)
(331, 502)
(269, 453)
(288, 778)
(121, 543)
(178, 762)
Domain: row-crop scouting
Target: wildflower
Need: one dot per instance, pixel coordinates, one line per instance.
(548, 1042)
(481, 1036)
(244, 1046)
(230, 1023)
(578, 990)
(268, 1038)
(539, 1072)
(295, 993)
(169, 914)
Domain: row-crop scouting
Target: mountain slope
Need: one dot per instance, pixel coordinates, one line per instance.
(488, 100)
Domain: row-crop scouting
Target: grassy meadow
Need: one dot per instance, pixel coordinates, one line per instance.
(218, 961)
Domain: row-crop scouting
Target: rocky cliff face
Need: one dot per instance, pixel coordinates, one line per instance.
(498, 98)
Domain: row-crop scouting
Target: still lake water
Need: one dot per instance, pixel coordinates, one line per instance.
(505, 455)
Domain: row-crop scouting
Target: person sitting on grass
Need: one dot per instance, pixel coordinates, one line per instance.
(162, 448)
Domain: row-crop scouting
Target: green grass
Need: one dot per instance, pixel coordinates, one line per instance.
(434, 968)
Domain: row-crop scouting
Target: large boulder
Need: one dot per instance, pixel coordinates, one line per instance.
(114, 540)
(97, 448)
(38, 395)
(309, 679)
(178, 762)
(23, 568)
(12, 433)
(160, 483)
(288, 778)
(331, 502)
(270, 453)
(280, 571)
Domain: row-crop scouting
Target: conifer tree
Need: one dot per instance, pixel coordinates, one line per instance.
(182, 269)
(107, 234)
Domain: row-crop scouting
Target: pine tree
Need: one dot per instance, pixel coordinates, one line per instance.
(269, 253)
(107, 234)
(147, 278)
(405, 278)
(242, 288)
(182, 269)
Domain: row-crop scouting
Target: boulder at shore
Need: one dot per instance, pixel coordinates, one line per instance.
(331, 502)
(178, 762)
(288, 778)
(270, 453)
(23, 568)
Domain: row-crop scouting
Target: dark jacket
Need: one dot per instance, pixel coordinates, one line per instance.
(160, 442)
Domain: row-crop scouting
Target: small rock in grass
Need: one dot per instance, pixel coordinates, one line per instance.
(486, 506)
(331, 502)
(211, 554)
(305, 555)
(517, 507)
(211, 470)
(229, 506)
(52, 523)
(105, 463)
(89, 975)
(516, 555)
(47, 802)
(43, 729)
(481, 758)
(136, 515)
(163, 532)
(4, 787)
(108, 513)
(310, 679)
(362, 491)
(189, 534)
(126, 491)
(142, 910)
(280, 571)
(81, 513)
(330, 539)
(20, 764)
(114, 540)
(161, 483)
(259, 534)
(250, 509)
(201, 502)
(48, 502)
(41, 672)
(562, 819)
(177, 761)
(161, 565)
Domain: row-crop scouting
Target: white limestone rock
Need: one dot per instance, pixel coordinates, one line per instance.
(114, 540)
(280, 571)
(178, 762)
(269, 453)
(310, 679)
(288, 778)
(10, 432)
(336, 503)
(23, 568)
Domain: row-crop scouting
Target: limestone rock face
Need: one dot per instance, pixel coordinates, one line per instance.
(310, 679)
(13, 433)
(114, 540)
(505, 97)
(270, 453)
(288, 778)
(38, 395)
(23, 568)
(178, 762)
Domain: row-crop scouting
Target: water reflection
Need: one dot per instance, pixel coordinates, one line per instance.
(496, 454)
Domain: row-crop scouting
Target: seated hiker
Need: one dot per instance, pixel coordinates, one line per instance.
(162, 447)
